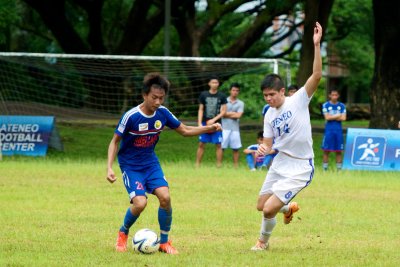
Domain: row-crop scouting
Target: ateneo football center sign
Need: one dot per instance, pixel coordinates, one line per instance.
(372, 149)
(25, 135)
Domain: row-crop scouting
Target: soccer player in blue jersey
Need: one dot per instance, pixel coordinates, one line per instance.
(334, 113)
(135, 138)
(264, 110)
(287, 128)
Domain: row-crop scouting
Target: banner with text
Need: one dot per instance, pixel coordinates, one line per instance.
(25, 135)
(372, 149)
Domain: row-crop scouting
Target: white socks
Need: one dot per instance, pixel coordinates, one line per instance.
(267, 225)
(284, 209)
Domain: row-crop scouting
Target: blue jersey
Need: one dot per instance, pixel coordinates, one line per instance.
(332, 109)
(265, 109)
(259, 158)
(140, 134)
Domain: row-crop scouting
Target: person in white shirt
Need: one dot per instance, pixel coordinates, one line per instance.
(287, 128)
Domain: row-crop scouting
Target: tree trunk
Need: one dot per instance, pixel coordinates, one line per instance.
(385, 89)
(315, 10)
(54, 17)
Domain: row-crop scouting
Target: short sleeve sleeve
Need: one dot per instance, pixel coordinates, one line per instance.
(171, 121)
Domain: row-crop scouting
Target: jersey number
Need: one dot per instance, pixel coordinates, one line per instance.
(284, 130)
(139, 186)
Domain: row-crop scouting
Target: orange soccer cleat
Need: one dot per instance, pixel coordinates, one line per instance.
(168, 248)
(121, 242)
(288, 216)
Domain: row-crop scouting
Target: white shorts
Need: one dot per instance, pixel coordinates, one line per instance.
(287, 176)
(231, 139)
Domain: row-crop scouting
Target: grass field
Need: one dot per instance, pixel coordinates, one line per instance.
(60, 211)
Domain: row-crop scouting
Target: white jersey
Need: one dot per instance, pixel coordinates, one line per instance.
(290, 126)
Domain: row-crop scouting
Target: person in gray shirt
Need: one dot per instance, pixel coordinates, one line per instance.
(230, 123)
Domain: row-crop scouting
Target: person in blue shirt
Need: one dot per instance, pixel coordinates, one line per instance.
(264, 110)
(257, 161)
(334, 113)
(135, 138)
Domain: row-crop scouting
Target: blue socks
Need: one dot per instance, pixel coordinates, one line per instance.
(129, 220)
(165, 221)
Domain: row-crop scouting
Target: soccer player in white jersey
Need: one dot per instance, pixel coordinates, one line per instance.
(139, 130)
(287, 122)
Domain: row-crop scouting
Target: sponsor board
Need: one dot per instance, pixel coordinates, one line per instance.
(25, 135)
(372, 149)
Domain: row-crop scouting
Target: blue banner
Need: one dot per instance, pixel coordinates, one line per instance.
(372, 149)
(25, 135)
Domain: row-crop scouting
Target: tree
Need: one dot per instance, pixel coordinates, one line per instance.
(351, 38)
(385, 90)
(130, 27)
(315, 10)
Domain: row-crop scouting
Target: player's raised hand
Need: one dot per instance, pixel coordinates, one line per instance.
(111, 176)
(317, 33)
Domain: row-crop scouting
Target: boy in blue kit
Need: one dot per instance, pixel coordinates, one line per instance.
(254, 160)
(139, 130)
(334, 113)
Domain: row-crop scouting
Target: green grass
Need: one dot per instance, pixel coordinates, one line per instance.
(61, 211)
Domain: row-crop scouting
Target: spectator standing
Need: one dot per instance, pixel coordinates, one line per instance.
(230, 123)
(212, 107)
(334, 113)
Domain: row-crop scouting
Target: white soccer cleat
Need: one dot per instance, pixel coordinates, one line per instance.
(260, 246)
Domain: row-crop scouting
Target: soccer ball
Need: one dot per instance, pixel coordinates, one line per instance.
(146, 241)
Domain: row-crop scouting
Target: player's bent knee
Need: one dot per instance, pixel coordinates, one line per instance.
(268, 213)
(165, 201)
(140, 203)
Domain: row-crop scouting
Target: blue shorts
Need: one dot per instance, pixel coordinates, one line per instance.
(214, 138)
(138, 183)
(333, 141)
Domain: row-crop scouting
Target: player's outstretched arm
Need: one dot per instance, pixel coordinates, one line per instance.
(112, 152)
(186, 130)
(313, 81)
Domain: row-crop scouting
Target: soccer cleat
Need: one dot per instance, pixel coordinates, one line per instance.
(288, 216)
(260, 246)
(168, 248)
(121, 242)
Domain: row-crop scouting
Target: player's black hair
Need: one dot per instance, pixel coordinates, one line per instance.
(234, 85)
(260, 134)
(272, 81)
(293, 87)
(154, 80)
